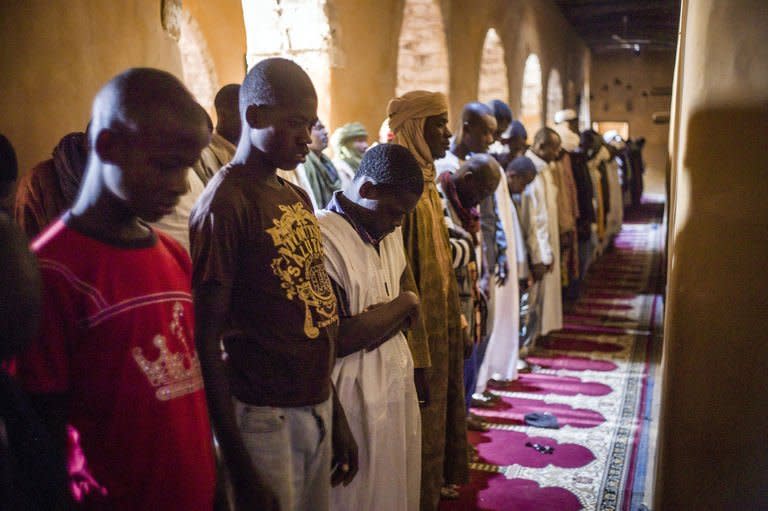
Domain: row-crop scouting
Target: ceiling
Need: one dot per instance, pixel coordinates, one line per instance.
(624, 25)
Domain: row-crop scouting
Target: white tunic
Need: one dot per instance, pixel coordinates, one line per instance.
(568, 139)
(177, 223)
(522, 252)
(448, 163)
(535, 221)
(346, 172)
(375, 388)
(552, 307)
(500, 361)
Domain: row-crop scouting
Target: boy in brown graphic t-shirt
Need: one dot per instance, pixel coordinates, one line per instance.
(260, 285)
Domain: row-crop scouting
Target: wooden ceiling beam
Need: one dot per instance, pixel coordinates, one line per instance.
(597, 21)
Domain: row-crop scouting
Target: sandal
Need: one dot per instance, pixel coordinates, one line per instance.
(490, 396)
(475, 423)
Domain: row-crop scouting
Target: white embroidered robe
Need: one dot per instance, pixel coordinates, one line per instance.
(552, 285)
(500, 361)
(375, 388)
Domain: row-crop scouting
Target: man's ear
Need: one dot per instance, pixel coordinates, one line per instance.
(367, 190)
(254, 115)
(109, 147)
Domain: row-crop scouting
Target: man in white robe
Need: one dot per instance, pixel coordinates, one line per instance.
(374, 374)
(501, 356)
(566, 125)
(543, 152)
(476, 132)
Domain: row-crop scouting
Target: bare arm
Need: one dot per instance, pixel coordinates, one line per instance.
(417, 343)
(344, 464)
(369, 329)
(211, 303)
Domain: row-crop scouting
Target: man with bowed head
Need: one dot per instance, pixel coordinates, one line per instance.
(261, 286)
(115, 357)
(373, 374)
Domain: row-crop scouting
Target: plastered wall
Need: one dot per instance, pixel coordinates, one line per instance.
(626, 87)
(714, 420)
(222, 25)
(524, 27)
(364, 84)
(55, 56)
(365, 75)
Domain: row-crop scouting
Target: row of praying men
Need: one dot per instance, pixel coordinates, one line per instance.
(328, 326)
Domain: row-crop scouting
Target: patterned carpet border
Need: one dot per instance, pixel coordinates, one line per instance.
(616, 313)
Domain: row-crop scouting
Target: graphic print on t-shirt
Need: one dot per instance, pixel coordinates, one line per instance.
(172, 374)
(299, 266)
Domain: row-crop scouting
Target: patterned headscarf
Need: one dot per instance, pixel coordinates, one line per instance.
(406, 120)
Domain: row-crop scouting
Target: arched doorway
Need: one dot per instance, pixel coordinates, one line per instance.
(298, 30)
(422, 58)
(530, 100)
(196, 62)
(554, 96)
(493, 82)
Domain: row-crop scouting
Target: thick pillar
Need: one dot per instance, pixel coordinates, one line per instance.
(714, 422)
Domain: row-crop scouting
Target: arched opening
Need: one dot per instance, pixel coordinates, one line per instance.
(493, 82)
(554, 96)
(298, 30)
(422, 58)
(530, 100)
(196, 62)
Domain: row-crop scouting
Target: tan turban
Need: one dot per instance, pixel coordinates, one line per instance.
(406, 120)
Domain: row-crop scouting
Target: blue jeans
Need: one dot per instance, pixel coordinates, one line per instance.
(471, 368)
(291, 450)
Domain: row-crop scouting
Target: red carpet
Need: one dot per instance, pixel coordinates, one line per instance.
(592, 377)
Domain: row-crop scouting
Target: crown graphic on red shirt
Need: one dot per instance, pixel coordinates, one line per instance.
(173, 374)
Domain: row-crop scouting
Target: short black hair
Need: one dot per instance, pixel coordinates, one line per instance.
(135, 99)
(9, 166)
(501, 110)
(393, 166)
(544, 135)
(483, 166)
(274, 81)
(227, 98)
(516, 129)
(589, 140)
(521, 165)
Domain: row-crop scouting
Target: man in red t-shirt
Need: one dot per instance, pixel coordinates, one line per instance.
(115, 358)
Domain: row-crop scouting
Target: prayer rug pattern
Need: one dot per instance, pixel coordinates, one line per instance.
(592, 376)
